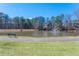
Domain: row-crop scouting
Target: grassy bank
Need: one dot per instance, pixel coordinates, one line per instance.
(39, 48)
(38, 36)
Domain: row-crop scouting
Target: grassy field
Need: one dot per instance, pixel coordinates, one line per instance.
(39, 48)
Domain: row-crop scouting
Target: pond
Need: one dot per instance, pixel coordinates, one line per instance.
(47, 33)
(42, 33)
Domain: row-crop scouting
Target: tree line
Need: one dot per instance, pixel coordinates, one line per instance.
(60, 22)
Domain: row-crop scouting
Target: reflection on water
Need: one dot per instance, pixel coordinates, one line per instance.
(39, 33)
(51, 33)
(44, 33)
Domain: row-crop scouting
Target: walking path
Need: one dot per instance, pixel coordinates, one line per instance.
(41, 39)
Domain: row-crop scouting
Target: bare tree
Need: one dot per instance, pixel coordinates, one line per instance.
(77, 13)
(69, 21)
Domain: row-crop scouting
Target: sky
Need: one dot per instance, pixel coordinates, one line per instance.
(30, 10)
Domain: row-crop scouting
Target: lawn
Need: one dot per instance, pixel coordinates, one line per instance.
(39, 48)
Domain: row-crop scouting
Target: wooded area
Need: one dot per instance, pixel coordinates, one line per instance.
(60, 22)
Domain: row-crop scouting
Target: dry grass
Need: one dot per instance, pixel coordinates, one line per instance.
(16, 30)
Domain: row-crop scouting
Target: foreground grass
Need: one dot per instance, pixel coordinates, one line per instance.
(39, 48)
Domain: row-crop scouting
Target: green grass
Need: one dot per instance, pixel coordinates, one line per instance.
(39, 48)
(36, 37)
